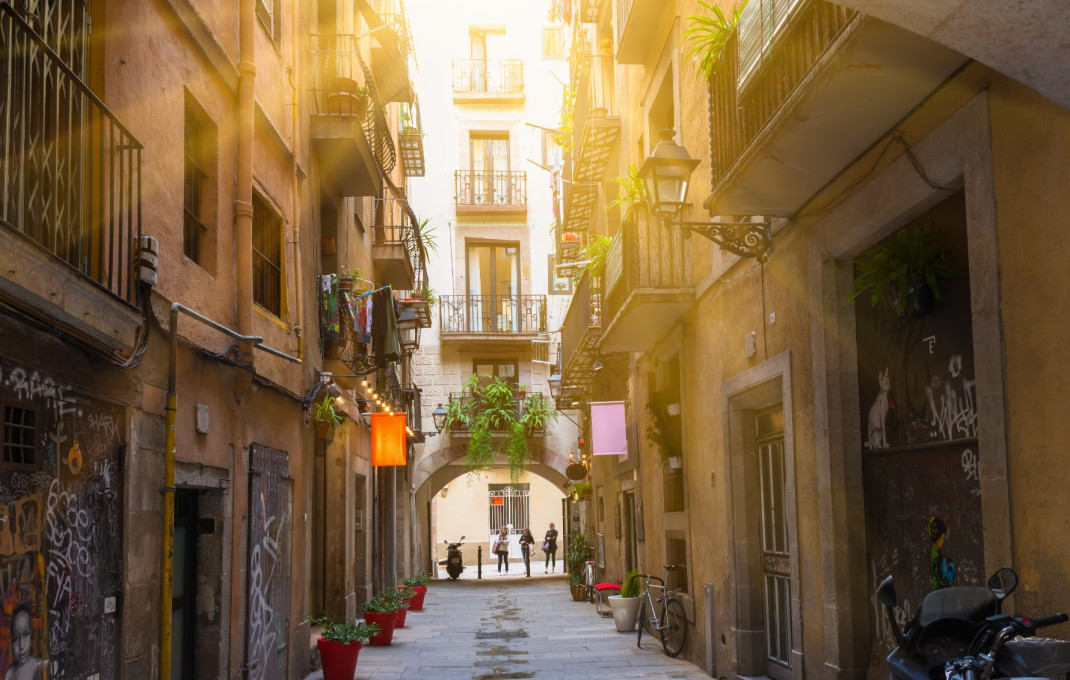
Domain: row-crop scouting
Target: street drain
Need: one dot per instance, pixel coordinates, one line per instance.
(501, 634)
(503, 676)
(498, 650)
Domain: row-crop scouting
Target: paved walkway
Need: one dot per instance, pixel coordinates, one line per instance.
(512, 627)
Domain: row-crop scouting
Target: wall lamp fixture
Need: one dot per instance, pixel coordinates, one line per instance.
(666, 174)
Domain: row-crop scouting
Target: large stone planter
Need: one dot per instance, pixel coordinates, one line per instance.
(625, 612)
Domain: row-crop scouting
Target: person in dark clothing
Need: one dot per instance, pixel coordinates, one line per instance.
(550, 547)
(527, 543)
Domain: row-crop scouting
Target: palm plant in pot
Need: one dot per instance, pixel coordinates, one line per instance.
(339, 645)
(625, 607)
(579, 548)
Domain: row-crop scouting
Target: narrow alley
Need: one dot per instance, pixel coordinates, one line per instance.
(512, 627)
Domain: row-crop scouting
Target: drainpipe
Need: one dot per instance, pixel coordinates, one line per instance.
(243, 195)
(170, 419)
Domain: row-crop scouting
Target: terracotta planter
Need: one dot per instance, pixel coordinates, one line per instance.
(416, 604)
(386, 621)
(322, 430)
(347, 103)
(339, 659)
(401, 614)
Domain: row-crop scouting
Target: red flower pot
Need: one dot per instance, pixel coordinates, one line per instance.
(386, 621)
(402, 613)
(339, 659)
(417, 602)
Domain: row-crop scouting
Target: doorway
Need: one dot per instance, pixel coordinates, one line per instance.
(776, 555)
(493, 288)
(184, 587)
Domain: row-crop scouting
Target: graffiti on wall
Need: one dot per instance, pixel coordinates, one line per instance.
(918, 424)
(269, 556)
(60, 530)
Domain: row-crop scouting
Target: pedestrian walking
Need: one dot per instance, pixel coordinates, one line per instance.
(549, 546)
(501, 549)
(527, 547)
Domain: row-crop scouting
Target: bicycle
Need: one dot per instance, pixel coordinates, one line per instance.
(667, 621)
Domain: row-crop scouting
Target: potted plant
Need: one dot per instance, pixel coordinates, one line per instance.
(383, 613)
(661, 431)
(326, 419)
(707, 34)
(576, 557)
(580, 490)
(339, 645)
(905, 270)
(625, 607)
(400, 598)
(347, 98)
(631, 192)
(418, 583)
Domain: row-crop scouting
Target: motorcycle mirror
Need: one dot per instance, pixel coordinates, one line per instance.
(461, 538)
(886, 592)
(1003, 583)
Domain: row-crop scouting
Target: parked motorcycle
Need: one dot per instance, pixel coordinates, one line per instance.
(952, 624)
(1007, 648)
(454, 561)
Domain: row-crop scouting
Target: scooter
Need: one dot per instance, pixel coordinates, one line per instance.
(959, 632)
(454, 561)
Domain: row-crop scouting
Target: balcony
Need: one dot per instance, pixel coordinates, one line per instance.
(411, 138)
(413, 414)
(389, 28)
(396, 255)
(647, 286)
(580, 336)
(789, 109)
(480, 81)
(517, 412)
(70, 208)
(505, 318)
(497, 192)
(637, 21)
(350, 133)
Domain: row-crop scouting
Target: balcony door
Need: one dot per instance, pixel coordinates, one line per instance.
(486, 45)
(489, 154)
(493, 288)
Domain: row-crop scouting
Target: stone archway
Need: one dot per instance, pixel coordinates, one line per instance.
(436, 470)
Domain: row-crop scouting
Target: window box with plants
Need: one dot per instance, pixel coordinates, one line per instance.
(493, 408)
(339, 645)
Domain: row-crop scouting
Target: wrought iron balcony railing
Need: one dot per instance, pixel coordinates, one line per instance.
(581, 330)
(70, 171)
(644, 254)
(507, 188)
(397, 224)
(753, 80)
(343, 86)
(516, 412)
(341, 341)
(492, 314)
(492, 77)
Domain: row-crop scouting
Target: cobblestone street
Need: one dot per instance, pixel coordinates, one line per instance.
(513, 627)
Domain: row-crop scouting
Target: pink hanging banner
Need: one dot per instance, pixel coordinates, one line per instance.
(609, 433)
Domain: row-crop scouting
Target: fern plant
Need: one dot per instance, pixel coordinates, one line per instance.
(706, 35)
(895, 269)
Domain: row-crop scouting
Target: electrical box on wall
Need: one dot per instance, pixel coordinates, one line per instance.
(748, 344)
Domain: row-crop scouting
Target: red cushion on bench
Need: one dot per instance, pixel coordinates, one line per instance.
(607, 586)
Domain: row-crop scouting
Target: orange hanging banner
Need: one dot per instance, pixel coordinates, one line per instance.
(388, 439)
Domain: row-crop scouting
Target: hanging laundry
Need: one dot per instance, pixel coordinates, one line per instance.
(385, 342)
(329, 304)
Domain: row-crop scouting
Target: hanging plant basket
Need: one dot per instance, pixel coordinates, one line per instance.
(322, 430)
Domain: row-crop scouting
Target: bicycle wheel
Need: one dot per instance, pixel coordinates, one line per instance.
(673, 628)
(642, 621)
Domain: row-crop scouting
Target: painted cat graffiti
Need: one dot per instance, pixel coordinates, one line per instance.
(878, 414)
